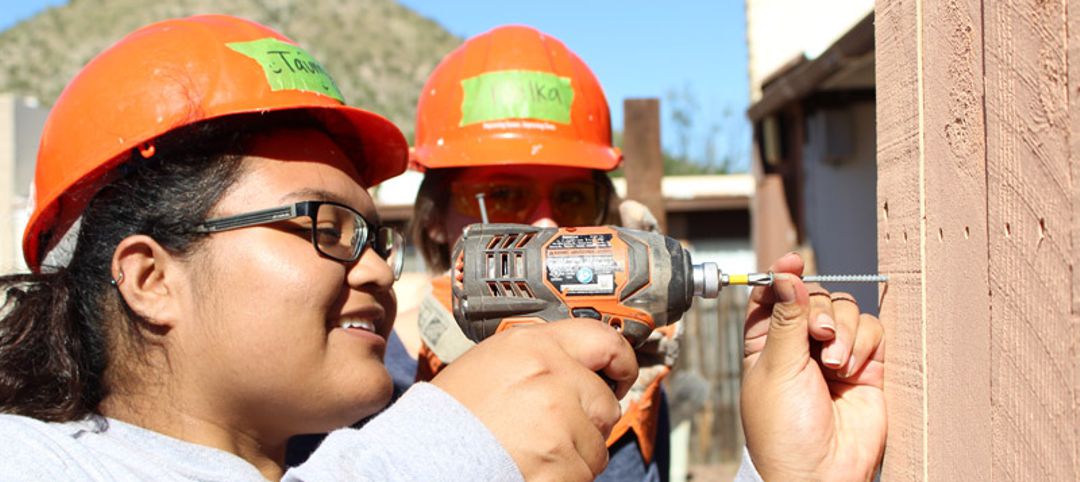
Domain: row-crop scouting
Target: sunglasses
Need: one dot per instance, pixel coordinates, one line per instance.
(336, 231)
(573, 203)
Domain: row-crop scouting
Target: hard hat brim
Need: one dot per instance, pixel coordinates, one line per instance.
(517, 151)
(383, 152)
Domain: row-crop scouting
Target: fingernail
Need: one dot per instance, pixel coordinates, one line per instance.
(784, 288)
(827, 323)
(851, 367)
(831, 357)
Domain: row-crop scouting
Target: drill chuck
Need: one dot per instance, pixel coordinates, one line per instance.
(708, 280)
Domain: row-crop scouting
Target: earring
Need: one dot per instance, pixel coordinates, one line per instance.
(438, 235)
(118, 280)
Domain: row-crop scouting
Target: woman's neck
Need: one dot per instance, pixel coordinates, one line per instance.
(165, 416)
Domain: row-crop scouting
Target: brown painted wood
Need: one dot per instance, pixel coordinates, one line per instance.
(957, 303)
(643, 164)
(1073, 60)
(899, 236)
(773, 231)
(932, 224)
(1030, 202)
(979, 227)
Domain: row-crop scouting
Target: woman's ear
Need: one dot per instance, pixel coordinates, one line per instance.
(147, 277)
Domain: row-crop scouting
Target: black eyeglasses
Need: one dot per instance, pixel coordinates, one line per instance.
(337, 231)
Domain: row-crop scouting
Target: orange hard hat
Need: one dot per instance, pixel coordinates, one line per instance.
(513, 95)
(176, 73)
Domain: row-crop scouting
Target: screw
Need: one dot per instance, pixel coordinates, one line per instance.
(766, 279)
(846, 278)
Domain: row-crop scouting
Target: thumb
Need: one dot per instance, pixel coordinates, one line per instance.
(788, 341)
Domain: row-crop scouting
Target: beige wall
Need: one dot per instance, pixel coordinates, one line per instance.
(779, 30)
(21, 121)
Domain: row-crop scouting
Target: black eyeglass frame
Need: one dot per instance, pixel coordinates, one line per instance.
(311, 210)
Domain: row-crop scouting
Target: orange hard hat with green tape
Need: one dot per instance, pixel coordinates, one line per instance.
(176, 73)
(513, 95)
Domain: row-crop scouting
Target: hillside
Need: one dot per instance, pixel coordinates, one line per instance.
(378, 51)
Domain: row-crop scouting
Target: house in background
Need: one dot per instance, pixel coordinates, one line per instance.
(814, 145)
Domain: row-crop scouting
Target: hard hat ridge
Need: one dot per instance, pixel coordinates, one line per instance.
(513, 95)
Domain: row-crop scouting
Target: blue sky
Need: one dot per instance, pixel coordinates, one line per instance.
(637, 48)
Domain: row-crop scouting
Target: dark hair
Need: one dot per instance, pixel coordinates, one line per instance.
(433, 200)
(58, 325)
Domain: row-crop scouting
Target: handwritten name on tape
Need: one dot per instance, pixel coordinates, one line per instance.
(289, 67)
(516, 94)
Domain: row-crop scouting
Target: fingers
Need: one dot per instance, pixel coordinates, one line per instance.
(822, 319)
(878, 353)
(867, 341)
(537, 390)
(598, 348)
(559, 440)
(591, 446)
(836, 352)
(592, 348)
(866, 363)
(581, 453)
(598, 402)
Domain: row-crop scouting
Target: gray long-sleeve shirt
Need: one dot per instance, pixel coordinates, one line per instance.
(427, 435)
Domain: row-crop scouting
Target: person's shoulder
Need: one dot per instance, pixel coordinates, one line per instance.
(21, 427)
(32, 448)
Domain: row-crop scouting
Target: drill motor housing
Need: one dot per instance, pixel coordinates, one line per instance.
(505, 275)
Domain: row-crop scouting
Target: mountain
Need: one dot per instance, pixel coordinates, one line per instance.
(379, 52)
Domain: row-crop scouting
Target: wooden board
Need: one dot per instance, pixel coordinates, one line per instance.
(932, 239)
(899, 235)
(979, 226)
(1030, 219)
(1073, 53)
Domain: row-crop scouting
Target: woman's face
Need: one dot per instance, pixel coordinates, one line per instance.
(538, 195)
(270, 342)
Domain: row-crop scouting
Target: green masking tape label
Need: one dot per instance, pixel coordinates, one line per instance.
(288, 67)
(516, 94)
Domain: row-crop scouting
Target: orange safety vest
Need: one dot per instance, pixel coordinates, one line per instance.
(641, 415)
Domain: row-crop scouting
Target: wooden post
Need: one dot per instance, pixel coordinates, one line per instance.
(1030, 201)
(644, 162)
(977, 215)
(773, 231)
(1073, 57)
